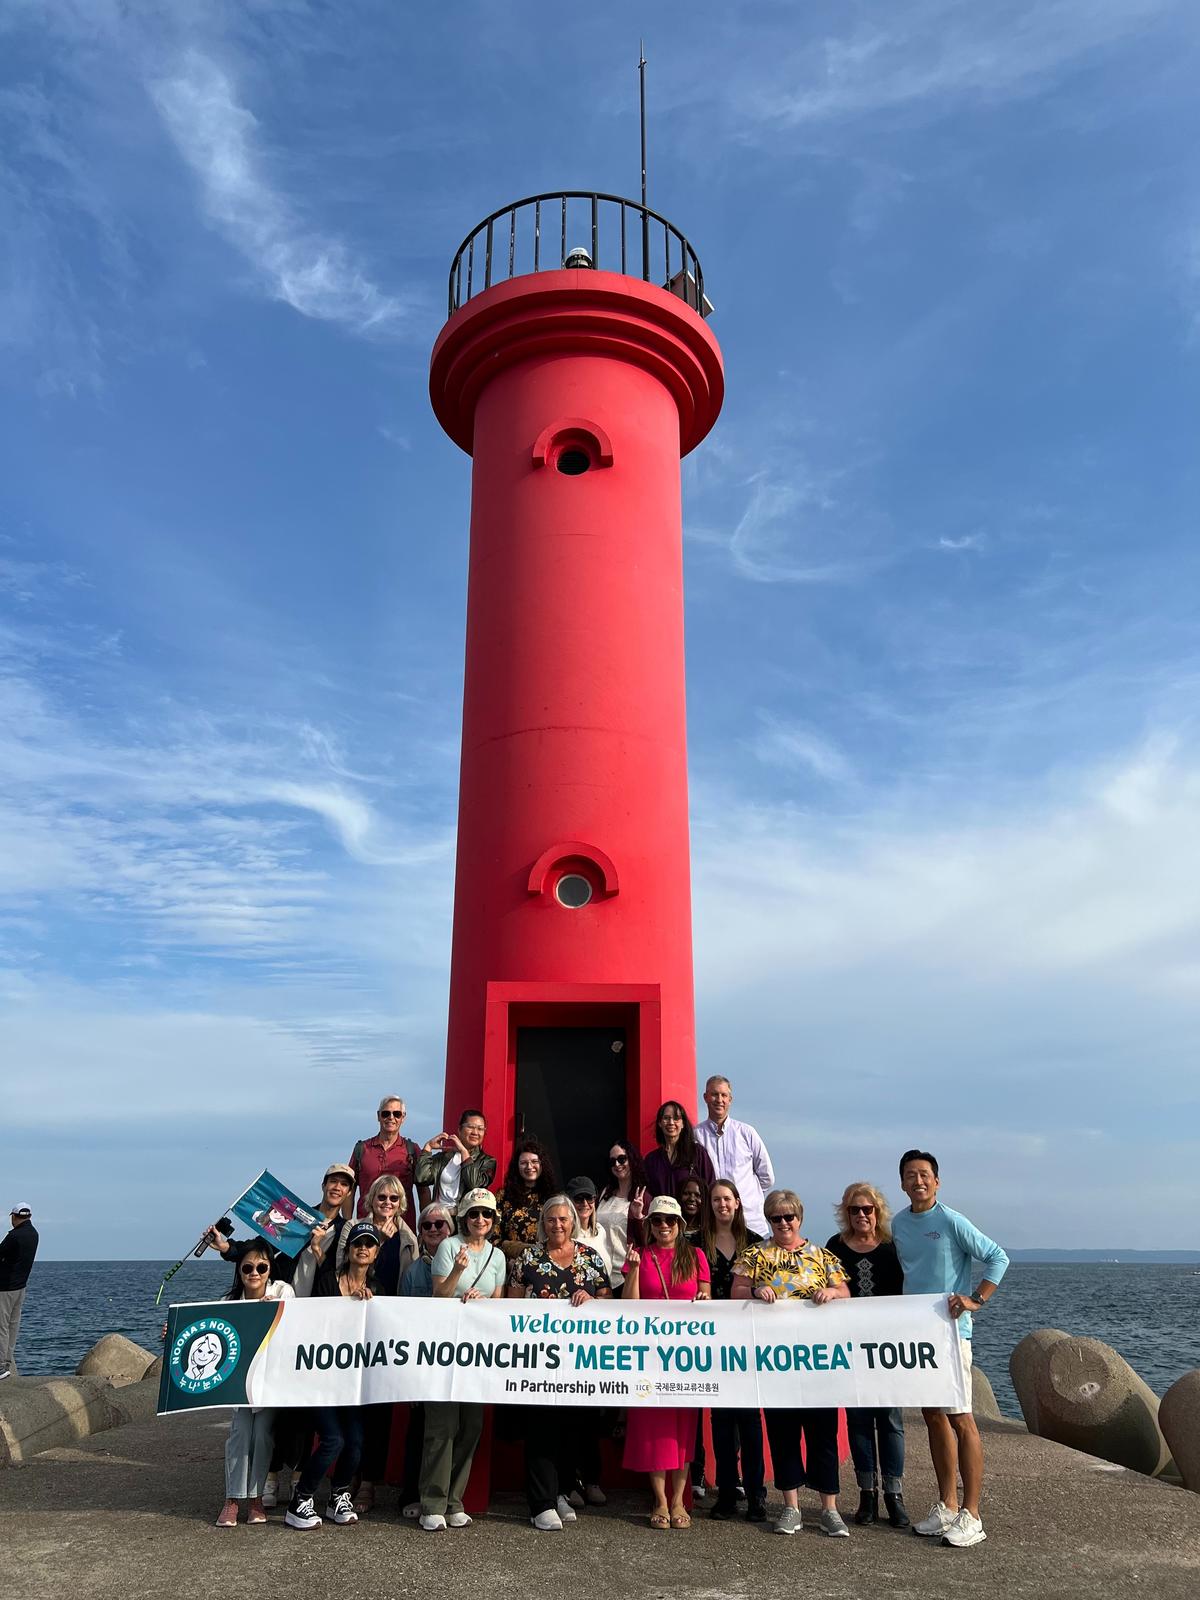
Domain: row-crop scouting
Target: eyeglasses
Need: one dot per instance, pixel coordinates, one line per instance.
(618, 1161)
(860, 1211)
(390, 1116)
(257, 1268)
(476, 1212)
(782, 1216)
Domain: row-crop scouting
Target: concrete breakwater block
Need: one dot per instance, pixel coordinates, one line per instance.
(46, 1413)
(1090, 1398)
(1179, 1419)
(983, 1397)
(1026, 1364)
(116, 1358)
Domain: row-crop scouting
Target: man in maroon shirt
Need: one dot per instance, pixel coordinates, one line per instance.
(387, 1151)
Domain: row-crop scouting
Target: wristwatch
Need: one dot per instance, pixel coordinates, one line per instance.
(975, 1295)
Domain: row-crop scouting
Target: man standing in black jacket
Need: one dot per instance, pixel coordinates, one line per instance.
(17, 1250)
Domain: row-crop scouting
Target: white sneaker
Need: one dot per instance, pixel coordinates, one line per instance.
(935, 1524)
(341, 1507)
(566, 1511)
(458, 1519)
(270, 1494)
(964, 1531)
(434, 1522)
(548, 1522)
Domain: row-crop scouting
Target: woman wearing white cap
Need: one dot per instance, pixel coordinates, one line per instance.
(659, 1440)
(466, 1267)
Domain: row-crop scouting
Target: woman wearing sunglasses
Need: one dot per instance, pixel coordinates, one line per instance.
(864, 1247)
(791, 1267)
(248, 1448)
(386, 1202)
(339, 1429)
(623, 1202)
(659, 1440)
(466, 1267)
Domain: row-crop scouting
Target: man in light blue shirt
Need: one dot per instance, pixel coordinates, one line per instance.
(737, 1153)
(938, 1249)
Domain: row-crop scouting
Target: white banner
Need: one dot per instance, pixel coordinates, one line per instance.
(891, 1351)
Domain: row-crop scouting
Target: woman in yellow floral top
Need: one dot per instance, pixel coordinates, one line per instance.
(791, 1267)
(528, 1184)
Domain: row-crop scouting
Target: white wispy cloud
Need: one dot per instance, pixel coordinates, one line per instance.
(311, 271)
(788, 525)
(967, 541)
(930, 56)
(797, 747)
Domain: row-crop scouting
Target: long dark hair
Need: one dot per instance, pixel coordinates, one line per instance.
(685, 1150)
(708, 1223)
(547, 1180)
(637, 1170)
(237, 1289)
(683, 1256)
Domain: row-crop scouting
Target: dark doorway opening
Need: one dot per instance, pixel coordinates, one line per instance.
(571, 1094)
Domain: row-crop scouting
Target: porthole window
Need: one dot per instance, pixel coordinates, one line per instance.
(573, 461)
(572, 890)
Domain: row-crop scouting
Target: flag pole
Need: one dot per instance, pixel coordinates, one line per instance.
(645, 217)
(198, 1249)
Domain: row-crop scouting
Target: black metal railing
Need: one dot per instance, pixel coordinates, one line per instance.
(542, 232)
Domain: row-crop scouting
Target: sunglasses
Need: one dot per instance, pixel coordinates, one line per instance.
(365, 1244)
(860, 1211)
(618, 1161)
(434, 1225)
(390, 1116)
(477, 1211)
(665, 1222)
(257, 1268)
(782, 1216)
(387, 1200)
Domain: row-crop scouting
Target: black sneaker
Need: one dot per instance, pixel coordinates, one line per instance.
(724, 1510)
(302, 1513)
(756, 1508)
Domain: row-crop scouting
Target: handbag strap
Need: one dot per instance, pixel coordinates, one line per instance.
(484, 1267)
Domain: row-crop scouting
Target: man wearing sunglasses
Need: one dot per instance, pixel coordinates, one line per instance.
(387, 1153)
(938, 1249)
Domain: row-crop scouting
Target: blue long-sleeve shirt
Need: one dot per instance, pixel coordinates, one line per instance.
(937, 1249)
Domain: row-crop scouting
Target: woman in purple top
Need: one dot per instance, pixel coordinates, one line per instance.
(678, 1156)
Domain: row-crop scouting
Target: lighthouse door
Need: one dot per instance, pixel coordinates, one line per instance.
(571, 1094)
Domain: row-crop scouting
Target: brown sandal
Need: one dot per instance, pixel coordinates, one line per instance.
(660, 1521)
(680, 1519)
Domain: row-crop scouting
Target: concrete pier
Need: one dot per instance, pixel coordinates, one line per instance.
(131, 1511)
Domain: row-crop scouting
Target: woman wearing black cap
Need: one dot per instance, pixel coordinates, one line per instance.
(339, 1429)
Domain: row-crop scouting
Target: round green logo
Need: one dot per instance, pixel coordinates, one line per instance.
(204, 1354)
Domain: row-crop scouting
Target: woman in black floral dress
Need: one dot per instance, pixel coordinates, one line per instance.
(560, 1266)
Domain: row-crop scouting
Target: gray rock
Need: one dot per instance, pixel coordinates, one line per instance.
(1025, 1366)
(1090, 1398)
(43, 1413)
(1179, 1419)
(116, 1358)
(983, 1397)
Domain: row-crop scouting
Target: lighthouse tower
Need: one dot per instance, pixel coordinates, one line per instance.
(576, 376)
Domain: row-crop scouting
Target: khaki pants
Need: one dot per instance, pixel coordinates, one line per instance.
(11, 1301)
(452, 1432)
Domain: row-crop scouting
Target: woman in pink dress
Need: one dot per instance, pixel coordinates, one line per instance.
(659, 1439)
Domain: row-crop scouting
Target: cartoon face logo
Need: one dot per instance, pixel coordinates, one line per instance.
(204, 1354)
(273, 1219)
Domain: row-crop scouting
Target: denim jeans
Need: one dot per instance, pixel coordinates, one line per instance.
(339, 1431)
(873, 1461)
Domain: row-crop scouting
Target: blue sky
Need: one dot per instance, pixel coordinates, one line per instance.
(942, 581)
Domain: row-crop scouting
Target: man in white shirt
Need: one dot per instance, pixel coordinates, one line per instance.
(737, 1153)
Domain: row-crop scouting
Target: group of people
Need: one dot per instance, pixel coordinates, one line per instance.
(699, 1217)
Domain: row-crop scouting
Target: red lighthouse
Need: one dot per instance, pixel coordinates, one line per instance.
(576, 380)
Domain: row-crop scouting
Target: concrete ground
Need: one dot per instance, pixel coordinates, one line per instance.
(130, 1512)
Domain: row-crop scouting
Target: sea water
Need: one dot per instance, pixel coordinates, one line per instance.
(1149, 1314)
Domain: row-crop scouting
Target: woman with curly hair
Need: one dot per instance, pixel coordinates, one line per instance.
(864, 1246)
(528, 1184)
(623, 1201)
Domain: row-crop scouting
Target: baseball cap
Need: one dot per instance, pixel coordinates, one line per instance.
(581, 1189)
(363, 1230)
(339, 1170)
(477, 1199)
(20, 1211)
(665, 1205)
